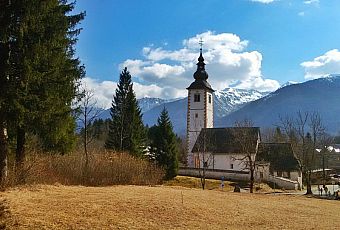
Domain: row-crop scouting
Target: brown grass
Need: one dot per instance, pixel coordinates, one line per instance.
(162, 207)
(192, 182)
(104, 169)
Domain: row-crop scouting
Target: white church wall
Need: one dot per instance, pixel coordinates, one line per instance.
(221, 161)
(196, 105)
(196, 120)
(210, 109)
(229, 162)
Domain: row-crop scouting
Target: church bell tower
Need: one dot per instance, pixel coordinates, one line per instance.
(200, 107)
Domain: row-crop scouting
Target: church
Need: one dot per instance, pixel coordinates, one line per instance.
(217, 151)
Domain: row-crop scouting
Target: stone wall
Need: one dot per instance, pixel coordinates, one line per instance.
(240, 176)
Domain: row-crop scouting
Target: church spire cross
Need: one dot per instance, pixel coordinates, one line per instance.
(201, 59)
(201, 44)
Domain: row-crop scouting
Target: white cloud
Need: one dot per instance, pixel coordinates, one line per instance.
(225, 56)
(308, 2)
(328, 63)
(263, 1)
(260, 84)
(302, 13)
(167, 73)
(103, 91)
(216, 41)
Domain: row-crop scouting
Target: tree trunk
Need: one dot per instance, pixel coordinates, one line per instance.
(323, 169)
(309, 185)
(203, 178)
(3, 152)
(86, 143)
(251, 169)
(86, 166)
(251, 180)
(20, 150)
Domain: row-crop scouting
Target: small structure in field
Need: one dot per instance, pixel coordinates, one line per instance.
(281, 162)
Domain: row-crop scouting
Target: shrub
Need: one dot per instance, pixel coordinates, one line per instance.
(104, 169)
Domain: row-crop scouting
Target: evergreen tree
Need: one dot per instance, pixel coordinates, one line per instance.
(41, 71)
(164, 146)
(126, 130)
(279, 137)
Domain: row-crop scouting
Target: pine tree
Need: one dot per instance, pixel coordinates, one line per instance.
(164, 145)
(41, 72)
(279, 137)
(126, 130)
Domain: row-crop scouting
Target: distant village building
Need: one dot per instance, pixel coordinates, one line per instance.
(329, 158)
(217, 150)
(281, 159)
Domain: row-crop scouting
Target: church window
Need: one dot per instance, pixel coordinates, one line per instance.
(197, 97)
(209, 98)
(231, 166)
(196, 115)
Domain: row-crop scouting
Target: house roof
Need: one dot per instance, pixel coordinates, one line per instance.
(279, 155)
(200, 84)
(226, 140)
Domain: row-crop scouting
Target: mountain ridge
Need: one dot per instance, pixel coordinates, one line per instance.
(319, 95)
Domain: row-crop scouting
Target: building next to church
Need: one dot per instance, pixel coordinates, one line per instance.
(217, 150)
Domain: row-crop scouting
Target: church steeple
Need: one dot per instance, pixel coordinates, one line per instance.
(200, 108)
(200, 76)
(200, 73)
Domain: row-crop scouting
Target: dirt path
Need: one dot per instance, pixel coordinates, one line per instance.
(137, 207)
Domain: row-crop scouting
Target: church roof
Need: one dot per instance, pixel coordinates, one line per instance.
(279, 155)
(226, 140)
(201, 76)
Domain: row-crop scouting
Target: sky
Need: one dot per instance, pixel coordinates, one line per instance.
(248, 44)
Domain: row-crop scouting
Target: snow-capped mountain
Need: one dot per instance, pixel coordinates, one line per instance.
(320, 95)
(231, 99)
(225, 102)
(289, 83)
(147, 103)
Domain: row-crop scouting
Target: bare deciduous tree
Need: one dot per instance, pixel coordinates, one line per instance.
(244, 138)
(203, 149)
(204, 154)
(88, 112)
(325, 141)
(304, 133)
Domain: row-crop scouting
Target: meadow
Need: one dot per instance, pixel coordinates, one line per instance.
(161, 207)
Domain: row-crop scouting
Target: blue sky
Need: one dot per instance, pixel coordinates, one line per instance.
(256, 44)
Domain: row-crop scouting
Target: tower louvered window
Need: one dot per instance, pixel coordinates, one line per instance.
(197, 97)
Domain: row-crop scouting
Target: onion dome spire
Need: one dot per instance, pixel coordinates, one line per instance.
(200, 73)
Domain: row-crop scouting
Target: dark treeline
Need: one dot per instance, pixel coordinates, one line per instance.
(125, 131)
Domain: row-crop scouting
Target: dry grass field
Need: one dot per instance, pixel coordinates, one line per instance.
(162, 207)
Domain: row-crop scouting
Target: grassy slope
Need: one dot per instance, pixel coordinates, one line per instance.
(161, 207)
